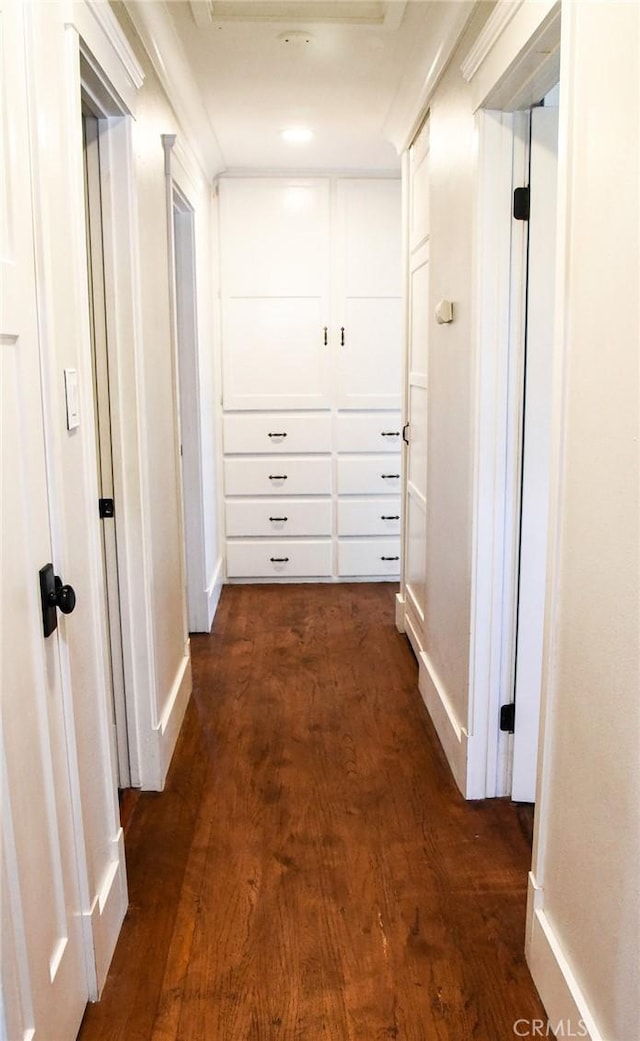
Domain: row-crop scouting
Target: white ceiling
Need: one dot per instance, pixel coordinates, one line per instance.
(335, 66)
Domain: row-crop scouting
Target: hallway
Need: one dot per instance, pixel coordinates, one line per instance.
(310, 870)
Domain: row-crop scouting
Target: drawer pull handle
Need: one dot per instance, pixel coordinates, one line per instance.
(278, 518)
(385, 516)
(277, 477)
(277, 434)
(325, 330)
(390, 477)
(342, 335)
(281, 560)
(389, 433)
(389, 558)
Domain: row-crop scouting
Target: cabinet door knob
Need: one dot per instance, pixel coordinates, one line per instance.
(281, 433)
(277, 477)
(389, 477)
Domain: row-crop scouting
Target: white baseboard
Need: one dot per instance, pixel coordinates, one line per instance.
(564, 1001)
(400, 612)
(453, 737)
(106, 915)
(171, 720)
(213, 592)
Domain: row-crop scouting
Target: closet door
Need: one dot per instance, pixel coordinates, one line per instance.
(368, 264)
(275, 258)
(416, 384)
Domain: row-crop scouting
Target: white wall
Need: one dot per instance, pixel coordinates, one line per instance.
(452, 173)
(586, 871)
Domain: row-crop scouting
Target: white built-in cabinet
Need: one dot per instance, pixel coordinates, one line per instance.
(311, 357)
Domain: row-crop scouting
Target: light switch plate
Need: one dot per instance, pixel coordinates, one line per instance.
(72, 398)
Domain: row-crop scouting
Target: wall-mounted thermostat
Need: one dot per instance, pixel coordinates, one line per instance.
(444, 312)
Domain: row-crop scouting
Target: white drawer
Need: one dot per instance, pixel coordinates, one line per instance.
(277, 476)
(279, 559)
(280, 432)
(369, 432)
(369, 517)
(369, 557)
(280, 517)
(369, 475)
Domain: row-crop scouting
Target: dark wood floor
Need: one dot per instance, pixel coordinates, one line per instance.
(310, 872)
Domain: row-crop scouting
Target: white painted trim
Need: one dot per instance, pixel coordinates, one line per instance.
(214, 591)
(171, 65)
(400, 612)
(499, 329)
(168, 727)
(447, 23)
(106, 19)
(517, 61)
(106, 46)
(168, 142)
(553, 975)
(107, 911)
(452, 735)
(496, 24)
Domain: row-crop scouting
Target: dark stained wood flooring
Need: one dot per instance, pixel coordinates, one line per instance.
(310, 872)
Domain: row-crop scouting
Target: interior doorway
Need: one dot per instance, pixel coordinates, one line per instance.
(535, 457)
(93, 129)
(184, 268)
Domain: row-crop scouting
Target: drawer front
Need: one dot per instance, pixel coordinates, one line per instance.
(369, 475)
(279, 559)
(369, 432)
(278, 432)
(278, 517)
(369, 557)
(277, 476)
(369, 517)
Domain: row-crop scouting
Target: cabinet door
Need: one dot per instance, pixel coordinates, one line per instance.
(368, 271)
(275, 256)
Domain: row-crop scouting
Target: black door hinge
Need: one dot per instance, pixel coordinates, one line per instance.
(522, 203)
(508, 717)
(106, 508)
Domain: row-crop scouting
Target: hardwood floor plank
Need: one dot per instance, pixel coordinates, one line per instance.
(311, 872)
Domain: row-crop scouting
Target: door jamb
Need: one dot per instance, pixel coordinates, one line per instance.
(499, 281)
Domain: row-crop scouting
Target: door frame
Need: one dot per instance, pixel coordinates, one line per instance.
(181, 191)
(127, 401)
(513, 63)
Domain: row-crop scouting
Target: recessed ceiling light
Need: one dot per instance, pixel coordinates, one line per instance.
(296, 135)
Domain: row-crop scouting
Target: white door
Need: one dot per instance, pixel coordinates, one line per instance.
(368, 328)
(275, 257)
(415, 539)
(536, 449)
(44, 984)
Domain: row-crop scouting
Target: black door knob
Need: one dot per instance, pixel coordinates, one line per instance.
(63, 597)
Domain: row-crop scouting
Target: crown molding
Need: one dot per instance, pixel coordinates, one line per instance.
(497, 22)
(156, 32)
(443, 26)
(106, 19)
